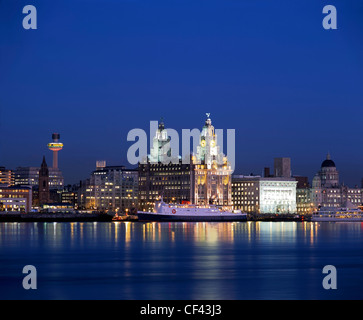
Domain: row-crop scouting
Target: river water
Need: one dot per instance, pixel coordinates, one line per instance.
(189, 261)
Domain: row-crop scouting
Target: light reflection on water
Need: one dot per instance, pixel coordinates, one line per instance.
(134, 260)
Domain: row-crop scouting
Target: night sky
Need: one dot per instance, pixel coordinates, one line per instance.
(94, 70)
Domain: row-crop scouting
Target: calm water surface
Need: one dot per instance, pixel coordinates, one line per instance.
(134, 260)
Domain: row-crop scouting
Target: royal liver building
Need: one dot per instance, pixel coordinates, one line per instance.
(204, 179)
(212, 171)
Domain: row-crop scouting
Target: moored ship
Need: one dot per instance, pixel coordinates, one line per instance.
(190, 212)
(347, 213)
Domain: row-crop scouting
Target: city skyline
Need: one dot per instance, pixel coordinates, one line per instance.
(246, 172)
(94, 83)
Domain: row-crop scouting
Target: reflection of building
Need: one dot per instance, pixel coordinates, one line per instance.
(255, 194)
(15, 198)
(110, 188)
(326, 190)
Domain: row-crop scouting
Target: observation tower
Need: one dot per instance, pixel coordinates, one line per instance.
(55, 146)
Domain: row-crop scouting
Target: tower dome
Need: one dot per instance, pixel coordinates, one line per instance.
(328, 163)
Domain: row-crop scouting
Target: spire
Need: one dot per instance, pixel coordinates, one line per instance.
(161, 124)
(328, 156)
(44, 164)
(208, 122)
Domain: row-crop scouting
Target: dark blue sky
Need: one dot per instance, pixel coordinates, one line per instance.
(93, 70)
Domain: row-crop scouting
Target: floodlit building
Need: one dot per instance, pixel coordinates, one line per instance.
(212, 183)
(6, 176)
(326, 191)
(204, 179)
(112, 188)
(15, 198)
(254, 194)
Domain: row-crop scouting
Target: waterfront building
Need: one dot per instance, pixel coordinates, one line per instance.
(113, 188)
(204, 179)
(69, 195)
(30, 176)
(15, 198)
(246, 193)
(159, 177)
(254, 194)
(6, 176)
(326, 191)
(304, 204)
(172, 181)
(212, 183)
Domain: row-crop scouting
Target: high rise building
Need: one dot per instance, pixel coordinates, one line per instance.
(112, 188)
(160, 176)
(282, 167)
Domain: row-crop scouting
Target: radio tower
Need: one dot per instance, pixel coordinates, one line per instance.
(55, 146)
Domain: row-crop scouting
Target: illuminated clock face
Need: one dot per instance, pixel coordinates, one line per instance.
(213, 143)
(203, 143)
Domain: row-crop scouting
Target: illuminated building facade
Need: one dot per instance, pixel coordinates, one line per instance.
(55, 147)
(206, 179)
(254, 194)
(172, 181)
(304, 203)
(30, 176)
(326, 190)
(6, 176)
(159, 177)
(246, 193)
(113, 188)
(15, 198)
(212, 183)
(69, 195)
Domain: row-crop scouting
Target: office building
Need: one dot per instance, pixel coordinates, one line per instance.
(254, 194)
(110, 188)
(16, 198)
(6, 176)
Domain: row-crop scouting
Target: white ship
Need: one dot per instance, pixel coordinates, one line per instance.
(190, 212)
(347, 213)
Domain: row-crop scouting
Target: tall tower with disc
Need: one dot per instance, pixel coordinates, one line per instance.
(55, 146)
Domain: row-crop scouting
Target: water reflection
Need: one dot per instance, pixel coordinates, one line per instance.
(198, 232)
(134, 260)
